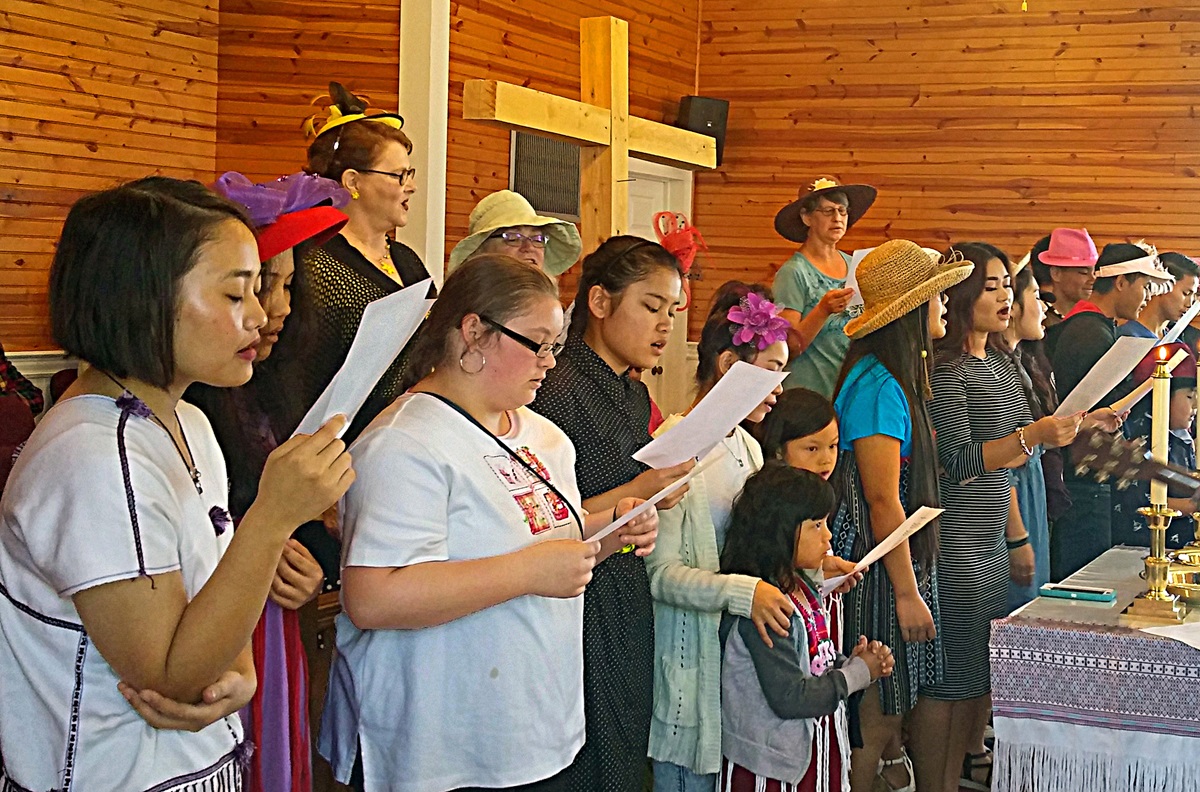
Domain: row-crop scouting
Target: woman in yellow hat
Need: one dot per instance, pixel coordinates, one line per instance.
(887, 468)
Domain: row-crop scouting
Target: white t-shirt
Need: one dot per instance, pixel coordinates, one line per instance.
(66, 525)
(493, 699)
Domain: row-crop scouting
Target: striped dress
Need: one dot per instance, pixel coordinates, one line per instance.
(974, 401)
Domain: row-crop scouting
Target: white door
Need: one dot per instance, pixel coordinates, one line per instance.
(657, 188)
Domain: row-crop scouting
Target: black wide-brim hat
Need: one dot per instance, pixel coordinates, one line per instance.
(790, 225)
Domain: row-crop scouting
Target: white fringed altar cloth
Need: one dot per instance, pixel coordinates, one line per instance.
(1085, 705)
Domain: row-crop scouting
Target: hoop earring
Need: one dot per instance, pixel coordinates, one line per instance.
(463, 356)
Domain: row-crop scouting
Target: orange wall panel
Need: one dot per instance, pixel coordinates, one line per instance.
(974, 120)
(92, 94)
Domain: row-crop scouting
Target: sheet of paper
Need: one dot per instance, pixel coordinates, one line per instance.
(1105, 375)
(387, 325)
(1177, 329)
(852, 276)
(642, 508)
(919, 519)
(1184, 633)
(1121, 405)
(735, 396)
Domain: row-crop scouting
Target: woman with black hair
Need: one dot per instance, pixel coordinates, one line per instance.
(290, 215)
(129, 604)
(983, 427)
(690, 593)
(625, 306)
(887, 469)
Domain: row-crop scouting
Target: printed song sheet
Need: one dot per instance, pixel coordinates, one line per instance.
(387, 325)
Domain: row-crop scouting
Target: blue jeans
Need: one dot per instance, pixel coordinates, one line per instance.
(674, 778)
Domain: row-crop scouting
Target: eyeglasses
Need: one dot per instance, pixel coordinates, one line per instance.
(541, 350)
(403, 177)
(830, 211)
(514, 238)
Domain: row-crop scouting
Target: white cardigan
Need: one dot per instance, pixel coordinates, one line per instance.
(689, 597)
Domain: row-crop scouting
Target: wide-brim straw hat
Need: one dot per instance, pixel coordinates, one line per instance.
(897, 277)
(789, 222)
(506, 209)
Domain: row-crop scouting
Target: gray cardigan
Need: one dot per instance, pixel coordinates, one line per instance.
(770, 700)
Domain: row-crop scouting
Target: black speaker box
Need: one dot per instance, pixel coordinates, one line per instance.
(705, 115)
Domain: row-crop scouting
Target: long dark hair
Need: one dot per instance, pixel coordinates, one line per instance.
(898, 346)
(271, 400)
(717, 334)
(1031, 357)
(617, 264)
(496, 286)
(761, 539)
(961, 299)
(799, 412)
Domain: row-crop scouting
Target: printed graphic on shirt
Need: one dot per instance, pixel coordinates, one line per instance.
(542, 508)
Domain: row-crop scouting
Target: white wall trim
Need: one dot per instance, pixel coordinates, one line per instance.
(424, 101)
(39, 367)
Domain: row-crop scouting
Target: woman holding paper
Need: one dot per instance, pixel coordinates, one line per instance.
(983, 427)
(368, 155)
(811, 285)
(689, 592)
(125, 585)
(625, 307)
(887, 469)
(250, 422)
(1033, 481)
(460, 660)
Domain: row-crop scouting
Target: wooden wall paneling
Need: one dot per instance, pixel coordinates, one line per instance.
(276, 56)
(536, 44)
(92, 93)
(973, 119)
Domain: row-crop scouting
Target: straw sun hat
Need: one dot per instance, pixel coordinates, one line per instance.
(897, 277)
(506, 209)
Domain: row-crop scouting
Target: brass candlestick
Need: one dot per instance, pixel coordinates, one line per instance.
(1158, 605)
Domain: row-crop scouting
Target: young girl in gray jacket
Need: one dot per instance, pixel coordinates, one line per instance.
(783, 713)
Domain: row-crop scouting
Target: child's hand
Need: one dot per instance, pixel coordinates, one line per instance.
(833, 566)
(641, 531)
(876, 655)
(771, 608)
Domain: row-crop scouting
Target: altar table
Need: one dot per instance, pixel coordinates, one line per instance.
(1083, 704)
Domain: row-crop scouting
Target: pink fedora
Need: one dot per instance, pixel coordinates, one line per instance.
(1070, 247)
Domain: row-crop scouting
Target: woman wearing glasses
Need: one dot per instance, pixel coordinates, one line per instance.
(460, 652)
(505, 223)
(811, 285)
(367, 155)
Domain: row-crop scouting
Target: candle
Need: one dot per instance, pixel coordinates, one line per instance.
(1160, 424)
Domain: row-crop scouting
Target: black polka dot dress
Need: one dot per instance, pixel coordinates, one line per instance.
(607, 417)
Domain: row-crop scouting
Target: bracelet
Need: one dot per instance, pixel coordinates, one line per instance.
(629, 548)
(1021, 439)
(1013, 544)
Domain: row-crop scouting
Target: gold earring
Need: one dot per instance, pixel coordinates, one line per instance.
(354, 195)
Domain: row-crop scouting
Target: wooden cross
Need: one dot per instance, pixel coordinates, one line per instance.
(599, 123)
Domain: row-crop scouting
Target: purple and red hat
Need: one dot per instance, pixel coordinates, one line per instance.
(289, 210)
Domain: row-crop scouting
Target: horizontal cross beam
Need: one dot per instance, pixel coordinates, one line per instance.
(515, 107)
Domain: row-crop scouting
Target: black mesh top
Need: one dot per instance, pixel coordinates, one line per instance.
(343, 282)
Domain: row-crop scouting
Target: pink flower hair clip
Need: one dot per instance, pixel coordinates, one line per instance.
(758, 319)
